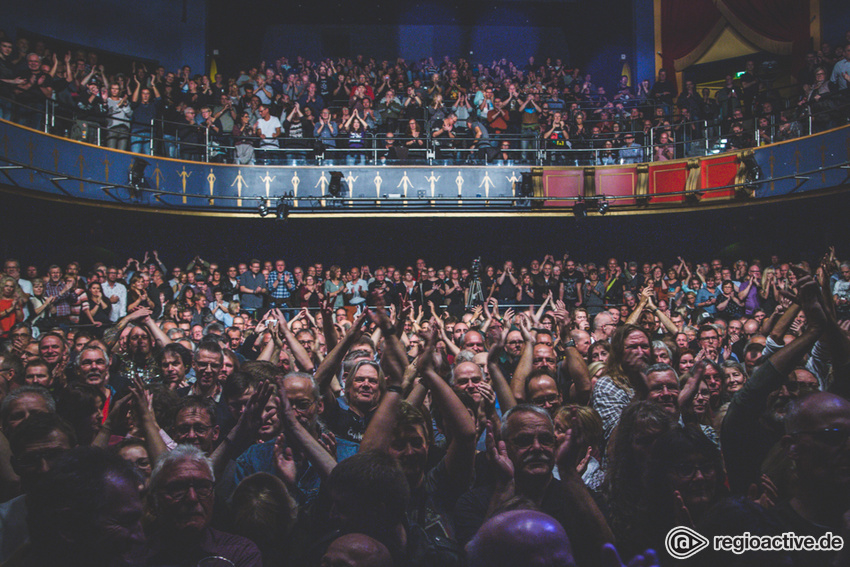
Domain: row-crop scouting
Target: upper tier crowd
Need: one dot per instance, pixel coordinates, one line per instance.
(364, 111)
(563, 412)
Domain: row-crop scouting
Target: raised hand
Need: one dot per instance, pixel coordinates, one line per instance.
(497, 452)
(765, 494)
(284, 462)
(682, 514)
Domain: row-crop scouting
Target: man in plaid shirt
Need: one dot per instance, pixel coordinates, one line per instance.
(64, 293)
(280, 284)
(631, 354)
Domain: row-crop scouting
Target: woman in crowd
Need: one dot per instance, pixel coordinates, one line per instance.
(12, 303)
(334, 288)
(309, 295)
(97, 309)
(137, 295)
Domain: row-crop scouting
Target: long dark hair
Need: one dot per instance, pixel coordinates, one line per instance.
(614, 364)
(640, 423)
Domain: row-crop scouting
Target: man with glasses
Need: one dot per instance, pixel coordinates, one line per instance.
(182, 496)
(524, 460)
(195, 423)
(816, 442)
(207, 364)
(302, 393)
(709, 342)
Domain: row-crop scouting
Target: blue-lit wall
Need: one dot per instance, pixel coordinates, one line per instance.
(152, 29)
(644, 41)
(835, 20)
(413, 42)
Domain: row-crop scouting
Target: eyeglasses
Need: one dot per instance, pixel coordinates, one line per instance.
(524, 440)
(543, 400)
(833, 436)
(689, 470)
(301, 405)
(187, 428)
(178, 490)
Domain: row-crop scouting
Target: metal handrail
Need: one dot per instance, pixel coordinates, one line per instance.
(529, 150)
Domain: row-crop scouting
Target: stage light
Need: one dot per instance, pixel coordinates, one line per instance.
(526, 186)
(580, 209)
(753, 174)
(263, 209)
(603, 207)
(282, 210)
(137, 176)
(335, 184)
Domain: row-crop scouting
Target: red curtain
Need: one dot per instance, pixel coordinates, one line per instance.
(684, 25)
(779, 20)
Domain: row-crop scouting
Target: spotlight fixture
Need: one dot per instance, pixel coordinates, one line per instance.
(335, 184)
(753, 174)
(526, 186)
(603, 207)
(263, 209)
(282, 210)
(580, 209)
(137, 176)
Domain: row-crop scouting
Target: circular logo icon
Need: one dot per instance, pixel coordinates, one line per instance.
(683, 542)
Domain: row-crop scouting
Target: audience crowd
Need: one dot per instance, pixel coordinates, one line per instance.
(364, 111)
(562, 412)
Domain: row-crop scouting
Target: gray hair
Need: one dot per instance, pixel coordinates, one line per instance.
(214, 328)
(661, 367)
(175, 334)
(179, 454)
(458, 362)
(598, 320)
(78, 359)
(736, 365)
(464, 356)
(662, 344)
(21, 392)
(314, 387)
(525, 408)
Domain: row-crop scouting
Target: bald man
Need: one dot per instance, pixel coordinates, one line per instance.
(356, 550)
(520, 537)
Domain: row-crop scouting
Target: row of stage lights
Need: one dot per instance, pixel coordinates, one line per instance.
(580, 208)
(281, 211)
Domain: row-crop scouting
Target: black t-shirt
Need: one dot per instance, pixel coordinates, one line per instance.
(344, 423)
(385, 289)
(507, 290)
(543, 286)
(571, 285)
